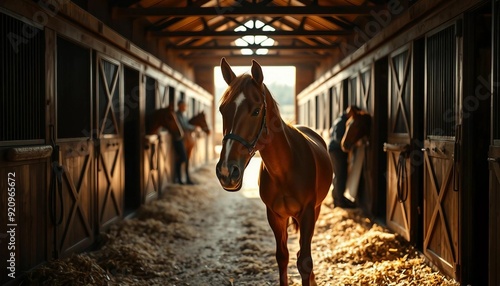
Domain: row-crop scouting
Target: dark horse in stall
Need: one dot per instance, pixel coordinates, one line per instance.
(166, 118)
(163, 118)
(199, 120)
(296, 171)
(357, 128)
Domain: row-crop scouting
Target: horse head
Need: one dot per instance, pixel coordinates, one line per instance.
(243, 109)
(200, 120)
(357, 128)
(168, 120)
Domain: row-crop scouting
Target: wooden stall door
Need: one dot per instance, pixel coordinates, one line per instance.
(197, 151)
(199, 154)
(76, 232)
(73, 97)
(110, 143)
(399, 195)
(361, 93)
(30, 222)
(150, 143)
(494, 158)
(321, 112)
(24, 157)
(165, 96)
(365, 99)
(151, 180)
(337, 105)
(441, 194)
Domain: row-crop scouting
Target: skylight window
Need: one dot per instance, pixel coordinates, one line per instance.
(254, 44)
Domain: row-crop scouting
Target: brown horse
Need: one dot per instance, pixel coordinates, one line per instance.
(200, 121)
(357, 128)
(296, 171)
(166, 118)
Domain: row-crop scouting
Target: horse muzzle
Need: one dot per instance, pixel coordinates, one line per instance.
(230, 176)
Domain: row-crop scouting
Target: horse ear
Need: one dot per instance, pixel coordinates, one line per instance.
(257, 75)
(227, 73)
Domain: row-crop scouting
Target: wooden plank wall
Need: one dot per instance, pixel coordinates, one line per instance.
(91, 155)
(408, 28)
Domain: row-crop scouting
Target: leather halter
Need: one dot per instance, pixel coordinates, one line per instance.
(250, 145)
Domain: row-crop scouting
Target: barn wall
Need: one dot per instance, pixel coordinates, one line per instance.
(460, 259)
(305, 75)
(73, 131)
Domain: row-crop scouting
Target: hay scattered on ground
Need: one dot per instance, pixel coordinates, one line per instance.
(202, 235)
(356, 251)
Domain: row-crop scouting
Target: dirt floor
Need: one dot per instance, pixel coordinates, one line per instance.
(203, 235)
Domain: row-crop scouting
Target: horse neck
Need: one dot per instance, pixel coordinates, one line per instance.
(275, 159)
(152, 123)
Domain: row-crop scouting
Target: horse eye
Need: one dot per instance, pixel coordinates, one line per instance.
(256, 112)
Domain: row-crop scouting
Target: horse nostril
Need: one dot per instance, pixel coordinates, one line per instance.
(235, 172)
(218, 171)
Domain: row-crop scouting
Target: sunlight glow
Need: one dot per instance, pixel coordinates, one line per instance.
(249, 40)
(241, 43)
(261, 51)
(246, 52)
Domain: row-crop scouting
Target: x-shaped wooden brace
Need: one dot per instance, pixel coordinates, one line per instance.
(438, 208)
(109, 95)
(400, 89)
(365, 88)
(76, 192)
(164, 95)
(394, 198)
(109, 173)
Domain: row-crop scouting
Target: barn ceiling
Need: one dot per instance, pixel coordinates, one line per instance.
(291, 31)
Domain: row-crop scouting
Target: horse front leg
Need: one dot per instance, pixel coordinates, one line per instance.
(304, 257)
(279, 226)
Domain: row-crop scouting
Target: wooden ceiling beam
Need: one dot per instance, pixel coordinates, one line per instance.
(242, 60)
(252, 32)
(230, 11)
(254, 47)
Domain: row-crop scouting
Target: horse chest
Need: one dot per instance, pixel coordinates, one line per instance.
(284, 201)
(286, 206)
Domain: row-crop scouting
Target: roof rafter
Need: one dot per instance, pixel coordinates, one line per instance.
(210, 59)
(253, 32)
(281, 47)
(273, 11)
